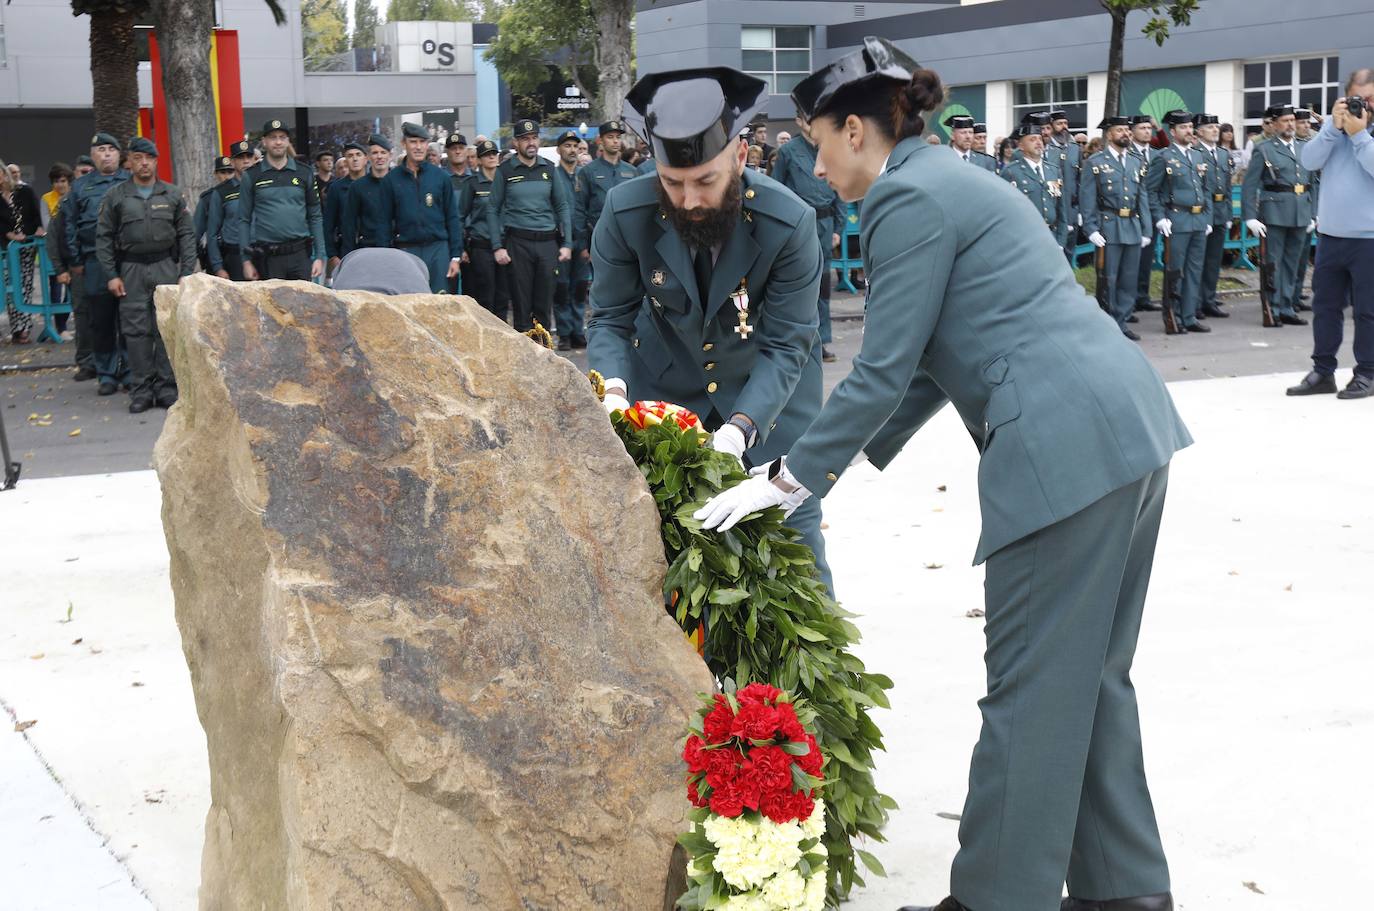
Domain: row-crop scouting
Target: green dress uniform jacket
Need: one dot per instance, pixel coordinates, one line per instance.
(222, 222)
(1043, 190)
(594, 181)
(1178, 192)
(1277, 188)
(795, 169)
(278, 205)
(969, 304)
(1069, 158)
(648, 166)
(367, 215)
(1113, 198)
(982, 160)
(200, 220)
(1216, 180)
(530, 198)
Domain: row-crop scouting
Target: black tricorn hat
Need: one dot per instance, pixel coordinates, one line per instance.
(1138, 119)
(1117, 121)
(1036, 119)
(1278, 110)
(877, 59)
(979, 127)
(689, 116)
(1200, 120)
(1302, 113)
(1177, 117)
(959, 122)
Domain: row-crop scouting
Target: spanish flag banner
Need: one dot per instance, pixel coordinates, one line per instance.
(224, 82)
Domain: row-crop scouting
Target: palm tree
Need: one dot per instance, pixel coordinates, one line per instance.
(114, 62)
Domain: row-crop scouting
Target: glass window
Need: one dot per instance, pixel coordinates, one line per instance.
(1317, 85)
(1310, 98)
(1254, 75)
(1310, 71)
(779, 55)
(1281, 72)
(1069, 94)
(1333, 65)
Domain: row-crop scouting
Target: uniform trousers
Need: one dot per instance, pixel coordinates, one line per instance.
(570, 299)
(150, 370)
(481, 278)
(1147, 266)
(1057, 788)
(533, 264)
(1121, 270)
(232, 262)
(83, 355)
(434, 254)
(1186, 249)
(1285, 248)
(1303, 262)
(1344, 272)
(290, 266)
(1211, 267)
(102, 316)
(827, 335)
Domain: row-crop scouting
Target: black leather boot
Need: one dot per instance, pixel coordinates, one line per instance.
(949, 904)
(1160, 902)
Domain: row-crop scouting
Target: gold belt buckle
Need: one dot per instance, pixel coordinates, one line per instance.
(1299, 188)
(1124, 213)
(1196, 210)
(1218, 197)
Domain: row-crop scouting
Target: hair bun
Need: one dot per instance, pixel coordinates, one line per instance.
(924, 93)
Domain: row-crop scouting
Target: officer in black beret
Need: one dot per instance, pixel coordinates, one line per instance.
(529, 218)
(282, 225)
(223, 169)
(367, 211)
(706, 277)
(336, 203)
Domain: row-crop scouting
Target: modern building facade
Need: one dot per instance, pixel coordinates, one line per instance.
(45, 81)
(1001, 58)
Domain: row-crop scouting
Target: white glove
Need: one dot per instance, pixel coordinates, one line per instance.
(615, 400)
(1257, 227)
(1080, 219)
(1165, 227)
(730, 439)
(1208, 232)
(1229, 222)
(1145, 241)
(798, 496)
(1312, 227)
(728, 507)
(1097, 240)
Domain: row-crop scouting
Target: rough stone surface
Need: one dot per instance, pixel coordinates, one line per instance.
(418, 585)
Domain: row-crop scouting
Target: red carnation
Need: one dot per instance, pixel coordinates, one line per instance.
(694, 795)
(726, 801)
(755, 721)
(777, 806)
(750, 786)
(788, 723)
(694, 755)
(812, 761)
(802, 805)
(772, 767)
(721, 766)
(718, 722)
(759, 692)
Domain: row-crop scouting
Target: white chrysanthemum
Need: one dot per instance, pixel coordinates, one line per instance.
(750, 901)
(815, 890)
(785, 892)
(814, 827)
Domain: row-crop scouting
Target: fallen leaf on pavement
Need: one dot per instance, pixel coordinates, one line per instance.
(75, 433)
(76, 641)
(1288, 587)
(938, 509)
(36, 657)
(954, 816)
(22, 726)
(935, 566)
(1233, 573)
(941, 488)
(976, 612)
(137, 683)
(1253, 888)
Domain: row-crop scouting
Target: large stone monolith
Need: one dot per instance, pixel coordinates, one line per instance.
(418, 584)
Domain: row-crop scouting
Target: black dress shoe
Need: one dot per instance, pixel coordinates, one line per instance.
(140, 405)
(564, 344)
(1201, 314)
(1361, 387)
(949, 904)
(83, 374)
(1162, 901)
(579, 343)
(1292, 319)
(827, 355)
(1130, 335)
(107, 389)
(1198, 327)
(166, 398)
(1301, 307)
(1215, 311)
(1314, 384)
(1147, 307)
(1132, 318)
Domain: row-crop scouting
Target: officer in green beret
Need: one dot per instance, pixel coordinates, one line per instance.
(222, 223)
(1215, 164)
(529, 217)
(1182, 207)
(144, 238)
(1277, 205)
(222, 167)
(1116, 217)
(1039, 179)
(355, 160)
(281, 225)
(80, 214)
(972, 305)
(424, 210)
(367, 218)
(795, 168)
(705, 278)
(485, 279)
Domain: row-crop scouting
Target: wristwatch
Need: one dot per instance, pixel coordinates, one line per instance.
(746, 427)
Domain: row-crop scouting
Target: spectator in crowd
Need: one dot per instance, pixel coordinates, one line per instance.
(933, 139)
(84, 166)
(60, 181)
(1093, 147)
(760, 139)
(755, 161)
(1227, 141)
(19, 220)
(784, 138)
(1082, 140)
(1006, 148)
(16, 178)
(435, 155)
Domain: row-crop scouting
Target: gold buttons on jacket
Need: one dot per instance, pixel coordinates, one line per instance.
(749, 194)
(710, 365)
(707, 347)
(831, 476)
(636, 343)
(711, 387)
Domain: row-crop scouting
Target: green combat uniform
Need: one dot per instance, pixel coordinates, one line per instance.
(1177, 193)
(971, 304)
(1110, 195)
(146, 241)
(281, 225)
(1276, 191)
(795, 169)
(662, 316)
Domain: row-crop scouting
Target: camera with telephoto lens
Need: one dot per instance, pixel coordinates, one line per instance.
(1354, 106)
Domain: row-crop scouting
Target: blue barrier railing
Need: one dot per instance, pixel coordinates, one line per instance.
(15, 294)
(845, 263)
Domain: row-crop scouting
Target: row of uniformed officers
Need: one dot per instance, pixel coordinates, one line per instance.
(1130, 193)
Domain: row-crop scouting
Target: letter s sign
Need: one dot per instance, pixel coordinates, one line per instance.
(446, 54)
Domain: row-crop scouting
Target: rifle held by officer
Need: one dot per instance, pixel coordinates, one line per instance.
(1172, 277)
(1100, 263)
(1266, 285)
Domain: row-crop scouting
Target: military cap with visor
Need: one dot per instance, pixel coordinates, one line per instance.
(688, 117)
(354, 144)
(377, 139)
(877, 61)
(105, 139)
(273, 126)
(144, 145)
(610, 126)
(455, 139)
(86, 160)
(242, 147)
(567, 136)
(224, 163)
(524, 128)
(487, 147)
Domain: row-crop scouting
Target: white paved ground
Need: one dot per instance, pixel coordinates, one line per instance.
(1254, 667)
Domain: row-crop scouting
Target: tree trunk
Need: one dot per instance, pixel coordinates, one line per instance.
(613, 18)
(114, 74)
(183, 38)
(1115, 55)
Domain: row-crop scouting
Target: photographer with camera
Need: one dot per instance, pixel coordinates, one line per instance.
(1344, 152)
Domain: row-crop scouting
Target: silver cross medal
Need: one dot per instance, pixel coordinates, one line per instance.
(740, 297)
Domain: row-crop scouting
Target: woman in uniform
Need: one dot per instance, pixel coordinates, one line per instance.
(971, 303)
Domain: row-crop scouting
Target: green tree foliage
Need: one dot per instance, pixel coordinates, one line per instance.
(428, 11)
(365, 22)
(1164, 14)
(534, 32)
(324, 29)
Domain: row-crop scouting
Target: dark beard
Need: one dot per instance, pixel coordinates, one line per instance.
(713, 227)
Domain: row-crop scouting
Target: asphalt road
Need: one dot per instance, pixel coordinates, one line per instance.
(44, 410)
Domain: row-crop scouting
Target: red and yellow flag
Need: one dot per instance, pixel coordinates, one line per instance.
(224, 82)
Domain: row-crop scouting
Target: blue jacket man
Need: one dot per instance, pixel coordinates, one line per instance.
(1112, 196)
(722, 322)
(1277, 205)
(367, 219)
(424, 210)
(1182, 208)
(795, 168)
